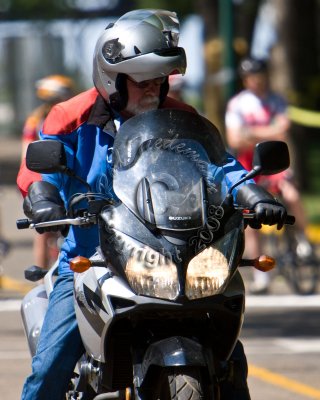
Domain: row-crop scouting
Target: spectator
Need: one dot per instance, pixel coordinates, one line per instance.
(254, 115)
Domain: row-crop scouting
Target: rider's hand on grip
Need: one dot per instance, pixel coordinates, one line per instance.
(269, 214)
(267, 209)
(43, 203)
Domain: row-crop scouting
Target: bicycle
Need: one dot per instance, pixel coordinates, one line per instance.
(296, 261)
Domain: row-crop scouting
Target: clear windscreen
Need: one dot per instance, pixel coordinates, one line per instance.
(168, 168)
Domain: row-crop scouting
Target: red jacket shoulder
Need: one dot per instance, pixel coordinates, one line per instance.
(67, 116)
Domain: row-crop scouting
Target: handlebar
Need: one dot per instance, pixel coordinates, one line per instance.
(26, 223)
(247, 214)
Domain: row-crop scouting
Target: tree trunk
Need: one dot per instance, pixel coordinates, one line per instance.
(294, 67)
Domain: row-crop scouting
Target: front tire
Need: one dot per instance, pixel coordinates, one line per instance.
(180, 383)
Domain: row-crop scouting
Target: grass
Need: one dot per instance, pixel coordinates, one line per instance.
(312, 206)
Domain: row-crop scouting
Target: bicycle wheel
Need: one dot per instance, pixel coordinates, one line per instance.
(304, 277)
(303, 273)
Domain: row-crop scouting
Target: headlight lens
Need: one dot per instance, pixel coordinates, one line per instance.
(206, 274)
(151, 274)
(208, 271)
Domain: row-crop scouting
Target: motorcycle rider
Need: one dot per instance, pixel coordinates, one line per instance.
(132, 62)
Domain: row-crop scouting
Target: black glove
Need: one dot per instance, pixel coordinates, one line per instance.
(43, 203)
(268, 210)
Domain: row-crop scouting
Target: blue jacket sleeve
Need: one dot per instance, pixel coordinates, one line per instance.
(233, 172)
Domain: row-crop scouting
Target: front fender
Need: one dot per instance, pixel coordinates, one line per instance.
(170, 352)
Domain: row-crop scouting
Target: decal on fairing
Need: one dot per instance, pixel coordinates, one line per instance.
(86, 301)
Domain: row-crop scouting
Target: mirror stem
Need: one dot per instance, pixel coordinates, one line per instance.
(251, 174)
(71, 173)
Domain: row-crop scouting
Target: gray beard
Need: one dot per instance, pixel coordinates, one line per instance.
(146, 104)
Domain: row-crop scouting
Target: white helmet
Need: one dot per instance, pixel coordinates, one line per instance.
(141, 44)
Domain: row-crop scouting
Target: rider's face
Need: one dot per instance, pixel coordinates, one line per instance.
(143, 96)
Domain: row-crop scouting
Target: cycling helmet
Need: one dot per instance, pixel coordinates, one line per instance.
(142, 44)
(54, 88)
(252, 65)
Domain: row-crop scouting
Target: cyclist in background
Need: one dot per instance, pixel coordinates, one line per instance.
(50, 90)
(254, 115)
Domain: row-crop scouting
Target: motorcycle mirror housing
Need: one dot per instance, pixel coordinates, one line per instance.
(48, 157)
(271, 157)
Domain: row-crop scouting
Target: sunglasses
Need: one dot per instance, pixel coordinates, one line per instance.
(145, 84)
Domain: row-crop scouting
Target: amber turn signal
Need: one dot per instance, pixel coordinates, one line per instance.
(264, 263)
(128, 394)
(80, 264)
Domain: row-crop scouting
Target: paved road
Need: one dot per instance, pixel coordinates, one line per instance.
(282, 344)
(14, 354)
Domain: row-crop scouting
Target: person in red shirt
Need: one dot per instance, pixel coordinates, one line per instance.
(51, 90)
(254, 115)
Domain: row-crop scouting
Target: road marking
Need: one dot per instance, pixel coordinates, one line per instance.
(10, 305)
(283, 382)
(277, 346)
(283, 301)
(301, 345)
(14, 285)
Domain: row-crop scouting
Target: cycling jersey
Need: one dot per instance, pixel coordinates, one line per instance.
(248, 110)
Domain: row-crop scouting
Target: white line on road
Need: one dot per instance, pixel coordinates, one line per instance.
(276, 301)
(285, 301)
(254, 346)
(10, 305)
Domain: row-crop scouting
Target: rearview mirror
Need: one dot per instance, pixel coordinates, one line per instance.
(46, 157)
(270, 157)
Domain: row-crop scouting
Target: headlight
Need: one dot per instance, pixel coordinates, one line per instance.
(208, 271)
(206, 274)
(151, 274)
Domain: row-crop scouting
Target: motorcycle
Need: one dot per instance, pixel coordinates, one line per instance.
(161, 303)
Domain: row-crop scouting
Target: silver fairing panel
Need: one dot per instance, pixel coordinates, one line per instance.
(96, 291)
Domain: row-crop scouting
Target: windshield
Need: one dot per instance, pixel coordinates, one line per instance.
(168, 168)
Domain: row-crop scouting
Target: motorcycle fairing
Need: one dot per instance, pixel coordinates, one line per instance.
(163, 160)
(167, 168)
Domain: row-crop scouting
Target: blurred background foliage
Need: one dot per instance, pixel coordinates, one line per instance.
(295, 56)
(33, 36)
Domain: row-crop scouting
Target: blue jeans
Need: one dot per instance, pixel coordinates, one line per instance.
(59, 347)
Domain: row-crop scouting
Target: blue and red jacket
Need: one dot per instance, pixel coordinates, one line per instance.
(86, 127)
